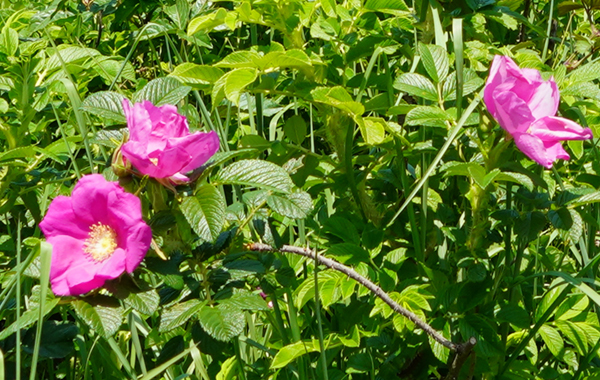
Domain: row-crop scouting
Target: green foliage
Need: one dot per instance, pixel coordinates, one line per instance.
(330, 117)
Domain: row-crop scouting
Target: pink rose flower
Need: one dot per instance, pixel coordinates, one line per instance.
(525, 106)
(96, 234)
(160, 144)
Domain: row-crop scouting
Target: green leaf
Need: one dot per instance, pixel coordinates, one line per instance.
(291, 352)
(178, 314)
(575, 334)
(471, 83)
(359, 363)
(69, 54)
(553, 340)
(441, 352)
(342, 228)
(3, 106)
(323, 29)
(573, 306)
(428, 116)
(488, 343)
(101, 313)
(28, 318)
(519, 178)
(162, 91)
(295, 205)
(191, 73)
(395, 7)
(372, 129)
(57, 339)
(584, 90)
(353, 340)
(560, 218)
(205, 211)
(581, 201)
(435, 60)
(295, 129)
(144, 302)
(256, 173)
(240, 59)
(348, 253)
(110, 68)
(245, 301)
(106, 105)
(416, 85)
(515, 315)
(222, 322)
(577, 147)
(21, 152)
(207, 22)
(291, 59)
(529, 226)
(339, 98)
(9, 41)
(236, 81)
(586, 73)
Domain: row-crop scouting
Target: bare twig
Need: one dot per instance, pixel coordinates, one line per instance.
(462, 353)
(458, 348)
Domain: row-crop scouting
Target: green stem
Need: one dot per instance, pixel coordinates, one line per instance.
(350, 168)
(411, 210)
(240, 361)
(323, 357)
(18, 309)
(548, 30)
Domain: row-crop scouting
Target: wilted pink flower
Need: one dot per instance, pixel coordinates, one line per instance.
(160, 144)
(525, 106)
(96, 234)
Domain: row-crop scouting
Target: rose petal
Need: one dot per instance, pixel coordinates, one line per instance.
(512, 113)
(555, 151)
(171, 124)
(552, 128)
(138, 242)
(90, 198)
(114, 266)
(138, 121)
(160, 164)
(534, 148)
(70, 266)
(544, 101)
(60, 220)
(201, 147)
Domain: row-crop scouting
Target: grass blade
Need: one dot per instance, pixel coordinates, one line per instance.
(45, 256)
(451, 137)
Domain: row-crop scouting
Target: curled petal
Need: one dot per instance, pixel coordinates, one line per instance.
(138, 121)
(201, 147)
(553, 128)
(533, 147)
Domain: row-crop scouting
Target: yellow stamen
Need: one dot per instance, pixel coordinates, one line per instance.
(154, 161)
(101, 243)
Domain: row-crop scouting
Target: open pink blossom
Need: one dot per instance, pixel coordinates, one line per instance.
(160, 144)
(96, 234)
(525, 106)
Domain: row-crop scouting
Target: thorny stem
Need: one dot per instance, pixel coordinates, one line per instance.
(460, 349)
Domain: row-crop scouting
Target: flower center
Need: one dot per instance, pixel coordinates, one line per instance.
(101, 243)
